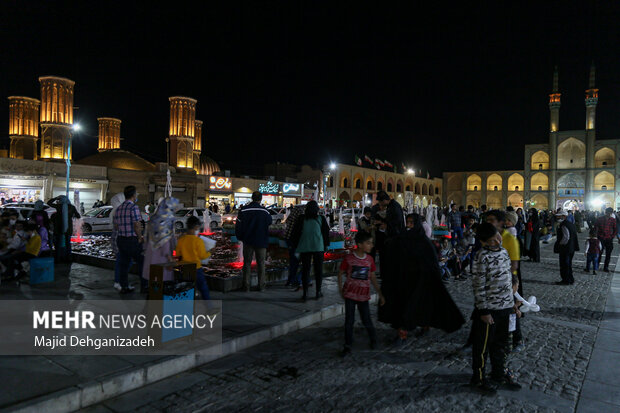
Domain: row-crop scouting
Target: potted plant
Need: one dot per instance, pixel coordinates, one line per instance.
(336, 241)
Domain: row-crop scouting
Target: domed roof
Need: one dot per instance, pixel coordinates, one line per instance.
(208, 166)
(119, 159)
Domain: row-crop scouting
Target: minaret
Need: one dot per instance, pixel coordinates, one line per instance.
(109, 134)
(591, 100)
(23, 127)
(554, 127)
(554, 103)
(197, 144)
(182, 131)
(56, 116)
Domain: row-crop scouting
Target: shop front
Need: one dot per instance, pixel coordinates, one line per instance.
(81, 190)
(220, 191)
(26, 188)
(291, 194)
(271, 193)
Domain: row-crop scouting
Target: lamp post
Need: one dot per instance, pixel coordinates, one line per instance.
(74, 128)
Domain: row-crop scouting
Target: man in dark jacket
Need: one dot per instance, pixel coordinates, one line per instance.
(566, 244)
(252, 229)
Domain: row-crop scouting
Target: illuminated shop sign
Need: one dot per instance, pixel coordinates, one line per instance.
(291, 189)
(221, 184)
(268, 188)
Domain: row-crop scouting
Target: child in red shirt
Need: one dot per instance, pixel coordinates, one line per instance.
(359, 268)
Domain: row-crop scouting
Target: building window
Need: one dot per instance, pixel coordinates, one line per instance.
(369, 185)
(389, 186)
(540, 166)
(604, 188)
(358, 184)
(345, 183)
(475, 188)
(379, 186)
(516, 187)
(495, 188)
(436, 191)
(331, 181)
(604, 163)
(399, 188)
(540, 188)
(571, 161)
(567, 191)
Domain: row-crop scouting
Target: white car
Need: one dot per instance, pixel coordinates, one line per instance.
(277, 215)
(25, 209)
(97, 219)
(184, 213)
(100, 219)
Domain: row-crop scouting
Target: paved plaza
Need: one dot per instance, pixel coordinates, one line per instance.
(569, 363)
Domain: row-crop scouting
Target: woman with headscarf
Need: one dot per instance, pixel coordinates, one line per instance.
(415, 295)
(310, 238)
(160, 240)
(532, 243)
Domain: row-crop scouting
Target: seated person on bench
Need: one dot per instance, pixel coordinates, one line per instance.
(14, 261)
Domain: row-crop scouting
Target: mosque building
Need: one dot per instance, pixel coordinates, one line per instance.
(574, 170)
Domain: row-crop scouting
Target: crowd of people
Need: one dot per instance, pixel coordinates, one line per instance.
(394, 253)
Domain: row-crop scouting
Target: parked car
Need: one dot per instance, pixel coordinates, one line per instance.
(25, 208)
(184, 213)
(277, 215)
(100, 219)
(97, 219)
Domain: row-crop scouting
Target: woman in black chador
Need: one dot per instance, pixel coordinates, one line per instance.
(414, 293)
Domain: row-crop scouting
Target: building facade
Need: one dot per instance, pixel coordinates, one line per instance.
(345, 185)
(573, 170)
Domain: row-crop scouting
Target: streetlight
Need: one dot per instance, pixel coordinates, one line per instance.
(410, 171)
(332, 166)
(74, 128)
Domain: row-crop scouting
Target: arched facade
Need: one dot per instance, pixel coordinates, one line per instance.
(604, 158)
(474, 200)
(604, 181)
(571, 154)
(494, 183)
(539, 182)
(357, 196)
(540, 161)
(370, 183)
(424, 189)
(431, 189)
(417, 188)
(390, 185)
(358, 181)
(494, 200)
(474, 183)
(515, 200)
(380, 185)
(539, 201)
(399, 185)
(515, 182)
(345, 179)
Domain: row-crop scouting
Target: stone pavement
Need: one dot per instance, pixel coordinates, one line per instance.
(569, 364)
(66, 383)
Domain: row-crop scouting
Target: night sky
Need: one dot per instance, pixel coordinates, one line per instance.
(441, 89)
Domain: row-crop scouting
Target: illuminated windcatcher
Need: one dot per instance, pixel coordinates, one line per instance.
(23, 127)
(56, 116)
(182, 131)
(109, 134)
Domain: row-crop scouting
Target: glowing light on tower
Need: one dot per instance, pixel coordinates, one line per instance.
(182, 131)
(56, 116)
(23, 127)
(109, 134)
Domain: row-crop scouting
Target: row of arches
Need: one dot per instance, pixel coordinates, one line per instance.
(494, 201)
(346, 198)
(572, 155)
(369, 184)
(540, 182)
(495, 182)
